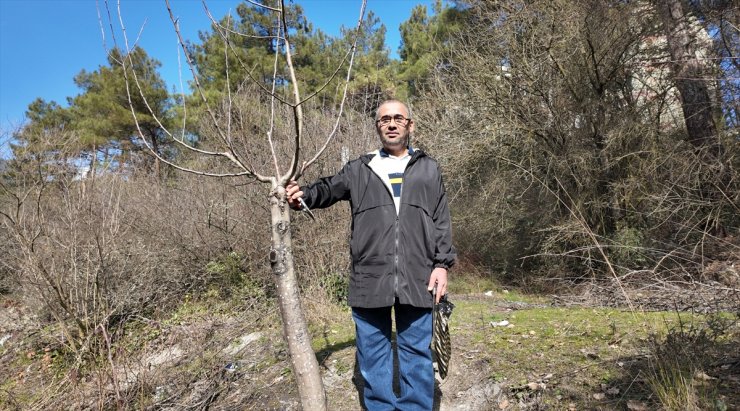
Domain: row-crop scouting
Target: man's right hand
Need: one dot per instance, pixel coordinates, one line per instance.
(293, 193)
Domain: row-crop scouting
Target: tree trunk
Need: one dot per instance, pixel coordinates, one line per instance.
(690, 71)
(690, 74)
(93, 162)
(155, 147)
(295, 329)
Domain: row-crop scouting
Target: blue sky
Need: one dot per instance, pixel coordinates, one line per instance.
(45, 43)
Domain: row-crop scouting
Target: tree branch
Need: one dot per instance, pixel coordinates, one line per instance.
(244, 66)
(230, 155)
(272, 106)
(228, 29)
(220, 132)
(296, 174)
(297, 109)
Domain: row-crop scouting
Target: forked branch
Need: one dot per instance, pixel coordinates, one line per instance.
(295, 173)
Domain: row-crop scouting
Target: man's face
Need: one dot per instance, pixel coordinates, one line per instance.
(394, 135)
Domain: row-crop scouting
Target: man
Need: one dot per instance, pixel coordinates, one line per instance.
(401, 248)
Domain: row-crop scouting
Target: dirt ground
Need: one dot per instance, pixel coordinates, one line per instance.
(509, 353)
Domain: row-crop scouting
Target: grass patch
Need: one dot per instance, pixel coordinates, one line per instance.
(473, 284)
(515, 296)
(582, 348)
(470, 284)
(582, 358)
(333, 331)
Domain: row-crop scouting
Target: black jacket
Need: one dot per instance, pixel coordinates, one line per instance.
(392, 256)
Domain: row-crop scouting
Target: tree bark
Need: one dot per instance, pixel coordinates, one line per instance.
(690, 73)
(295, 329)
(155, 147)
(93, 161)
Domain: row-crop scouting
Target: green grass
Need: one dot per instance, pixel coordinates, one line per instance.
(334, 334)
(516, 296)
(583, 348)
(470, 284)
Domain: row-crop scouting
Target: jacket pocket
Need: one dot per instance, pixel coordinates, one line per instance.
(373, 235)
(419, 233)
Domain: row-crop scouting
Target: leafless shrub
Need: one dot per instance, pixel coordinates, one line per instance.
(566, 150)
(685, 364)
(89, 252)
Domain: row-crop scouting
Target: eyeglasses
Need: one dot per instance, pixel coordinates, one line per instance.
(400, 120)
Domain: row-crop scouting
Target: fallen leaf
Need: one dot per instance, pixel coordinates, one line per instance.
(533, 386)
(599, 396)
(701, 375)
(636, 405)
(612, 391)
(503, 404)
(589, 354)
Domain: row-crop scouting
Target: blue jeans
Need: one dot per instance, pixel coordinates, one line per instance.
(375, 357)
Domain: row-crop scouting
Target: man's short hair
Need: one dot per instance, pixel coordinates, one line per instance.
(408, 110)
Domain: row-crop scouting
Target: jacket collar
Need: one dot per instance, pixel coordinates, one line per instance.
(384, 153)
(414, 152)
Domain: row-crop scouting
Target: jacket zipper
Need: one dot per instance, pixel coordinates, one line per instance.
(397, 223)
(395, 258)
(398, 226)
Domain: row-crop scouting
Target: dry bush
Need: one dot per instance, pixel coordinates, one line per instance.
(321, 247)
(93, 257)
(686, 365)
(565, 150)
(91, 252)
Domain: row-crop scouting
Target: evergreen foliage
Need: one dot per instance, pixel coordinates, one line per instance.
(425, 39)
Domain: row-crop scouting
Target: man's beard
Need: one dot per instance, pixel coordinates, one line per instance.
(396, 142)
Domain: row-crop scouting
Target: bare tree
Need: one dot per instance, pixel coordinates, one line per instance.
(275, 110)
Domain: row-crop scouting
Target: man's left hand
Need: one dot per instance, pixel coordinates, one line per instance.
(438, 277)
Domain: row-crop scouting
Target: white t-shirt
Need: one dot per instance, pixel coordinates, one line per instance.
(390, 169)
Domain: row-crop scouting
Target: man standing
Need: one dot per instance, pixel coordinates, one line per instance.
(401, 248)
